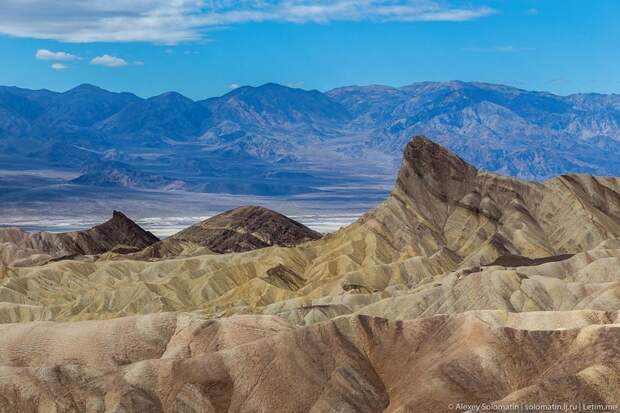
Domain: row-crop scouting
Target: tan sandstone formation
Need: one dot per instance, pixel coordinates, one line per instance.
(462, 287)
(184, 363)
(436, 233)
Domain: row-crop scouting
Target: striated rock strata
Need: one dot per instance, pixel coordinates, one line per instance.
(184, 363)
(247, 228)
(462, 287)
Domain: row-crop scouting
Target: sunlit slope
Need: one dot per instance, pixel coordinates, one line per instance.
(182, 362)
(424, 251)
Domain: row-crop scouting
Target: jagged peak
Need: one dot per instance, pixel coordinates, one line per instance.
(119, 216)
(436, 168)
(421, 149)
(122, 225)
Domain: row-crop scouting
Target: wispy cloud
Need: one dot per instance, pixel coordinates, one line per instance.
(497, 49)
(109, 61)
(170, 22)
(44, 54)
(59, 66)
(233, 86)
(297, 84)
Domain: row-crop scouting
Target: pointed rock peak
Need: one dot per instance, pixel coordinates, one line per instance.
(118, 221)
(120, 217)
(124, 228)
(428, 165)
(426, 157)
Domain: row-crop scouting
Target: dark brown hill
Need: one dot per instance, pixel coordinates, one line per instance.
(22, 248)
(247, 228)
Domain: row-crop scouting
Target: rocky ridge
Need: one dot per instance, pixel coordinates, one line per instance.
(443, 220)
(347, 322)
(20, 248)
(180, 362)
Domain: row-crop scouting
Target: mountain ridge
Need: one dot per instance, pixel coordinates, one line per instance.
(271, 129)
(442, 227)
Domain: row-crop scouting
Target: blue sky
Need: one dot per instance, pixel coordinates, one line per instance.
(203, 48)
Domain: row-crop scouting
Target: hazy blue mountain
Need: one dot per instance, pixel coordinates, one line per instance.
(499, 128)
(19, 108)
(277, 106)
(83, 106)
(169, 115)
(63, 154)
(46, 115)
(275, 138)
(268, 121)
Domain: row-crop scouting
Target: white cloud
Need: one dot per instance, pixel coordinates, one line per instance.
(58, 66)
(497, 49)
(170, 22)
(109, 61)
(233, 86)
(44, 54)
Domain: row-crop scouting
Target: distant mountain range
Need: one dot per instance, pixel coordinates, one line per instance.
(274, 139)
